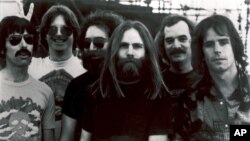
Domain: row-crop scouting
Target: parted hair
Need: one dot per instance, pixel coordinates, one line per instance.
(108, 78)
(222, 26)
(69, 17)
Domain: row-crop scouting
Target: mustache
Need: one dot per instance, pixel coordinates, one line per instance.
(130, 60)
(93, 54)
(177, 51)
(23, 51)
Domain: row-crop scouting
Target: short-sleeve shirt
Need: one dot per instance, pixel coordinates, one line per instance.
(77, 89)
(132, 118)
(26, 108)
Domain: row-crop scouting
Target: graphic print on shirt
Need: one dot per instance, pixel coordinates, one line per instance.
(19, 120)
(58, 81)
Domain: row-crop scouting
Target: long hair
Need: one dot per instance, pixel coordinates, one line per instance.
(108, 78)
(169, 20)
(11, 24)
(51, 14)
(222, 26)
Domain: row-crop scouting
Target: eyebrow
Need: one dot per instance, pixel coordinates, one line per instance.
(124, 44)
(223, 38)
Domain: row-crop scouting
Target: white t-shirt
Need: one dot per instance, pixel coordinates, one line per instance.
(25, 109)
(57, 76)
(42, 66)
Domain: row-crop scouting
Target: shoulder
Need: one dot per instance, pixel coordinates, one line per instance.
(39, 60)
(41, 86)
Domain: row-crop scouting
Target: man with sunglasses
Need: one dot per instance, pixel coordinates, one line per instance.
(95, 34)
(26, 105)
(59, 30)
(174, 44)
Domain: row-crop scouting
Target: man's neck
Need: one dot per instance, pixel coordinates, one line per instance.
(15, 73)
(225, 82)
(181, 68)
(59, 55)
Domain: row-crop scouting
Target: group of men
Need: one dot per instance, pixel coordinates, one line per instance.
(190, 83)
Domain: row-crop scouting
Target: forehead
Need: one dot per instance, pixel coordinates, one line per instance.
(95, 31)
(212, 35)
(58, 20)
(132, 35)
(180, 28)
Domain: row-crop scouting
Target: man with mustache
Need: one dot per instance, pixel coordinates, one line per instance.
(26, 105)
(95, 34)
(223, 94)
(58, 31)
(174, 45)
(124, 102)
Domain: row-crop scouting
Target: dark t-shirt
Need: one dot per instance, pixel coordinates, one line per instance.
(75, 92)
(179, 83)
(132, 118)
(180, 86)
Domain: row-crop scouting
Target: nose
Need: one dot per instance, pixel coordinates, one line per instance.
(92, 46)
(130, 51)
(176, 43)
(59, 31)
(217, 48)
(23, 43)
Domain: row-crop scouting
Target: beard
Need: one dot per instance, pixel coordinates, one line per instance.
(93, 60)
(129, 69)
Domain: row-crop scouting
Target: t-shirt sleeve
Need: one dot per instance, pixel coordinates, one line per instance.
(49, 114)
(73, 101)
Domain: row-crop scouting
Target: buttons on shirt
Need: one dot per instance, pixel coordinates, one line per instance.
(226, 125)
(221, 103)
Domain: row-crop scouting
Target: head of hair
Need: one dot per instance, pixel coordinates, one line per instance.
(169, 20)
(105, 20)
(12, 24)
(50, 15)
(222, 26)
(108, 78)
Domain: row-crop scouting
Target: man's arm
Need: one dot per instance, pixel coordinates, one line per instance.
(68, 128)
(48, 135)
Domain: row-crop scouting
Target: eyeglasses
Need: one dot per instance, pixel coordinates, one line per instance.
(97, 41)
(16, 39)
(65, 30)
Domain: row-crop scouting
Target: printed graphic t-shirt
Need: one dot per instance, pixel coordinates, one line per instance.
(57, 75)
(26, 108)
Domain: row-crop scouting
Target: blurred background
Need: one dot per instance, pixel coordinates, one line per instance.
(150, 12)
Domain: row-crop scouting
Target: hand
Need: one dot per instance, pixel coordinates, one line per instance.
(21, 10)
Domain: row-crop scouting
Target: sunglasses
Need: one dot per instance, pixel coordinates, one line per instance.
(16, 39)
(65, 30)
(97, 41)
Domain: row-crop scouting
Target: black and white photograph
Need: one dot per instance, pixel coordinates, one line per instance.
(124, 70)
